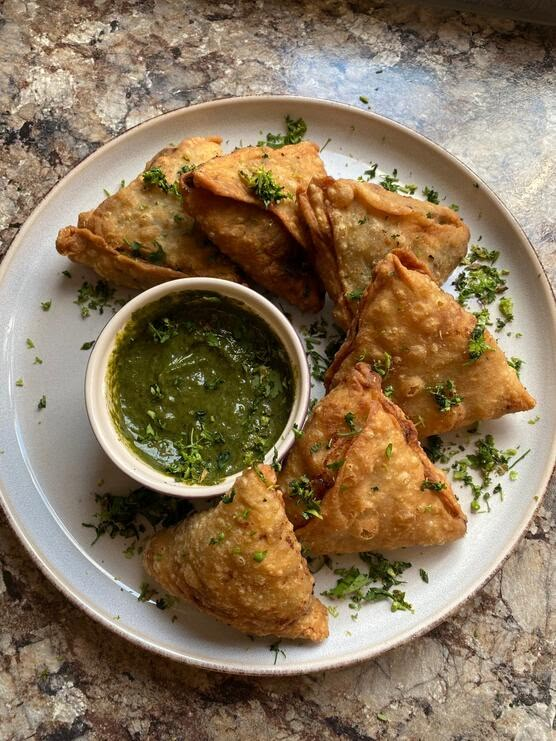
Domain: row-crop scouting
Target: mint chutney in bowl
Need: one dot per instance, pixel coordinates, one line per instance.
(193, 381)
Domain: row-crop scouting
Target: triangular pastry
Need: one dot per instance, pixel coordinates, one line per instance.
(268, 239)
(139, 236)
(241, 563)
(354, 224)
(418, 337)
(374, 487)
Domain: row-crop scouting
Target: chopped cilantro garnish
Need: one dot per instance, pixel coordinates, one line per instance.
(315, 447)
(355, 295)
(433, 485)
(295, 131)
(297, 432)
(506, 307)
(94, 297)
(336, 465)
(389, 450)
(424, 576)
(480, 254)
(516, 364)
(87, 345)
(37, 360)
(155, 176)
(259, 556)
(302, 491)
(382, 367)
(445, 395)
(66, 273)
(431, 195)
(217, 539)
(263, 185)
(388, 391)
(229, 497)
(125, 516)
(42, 402)
(483, 282)
(19, 382)
(45, 305)
(364, 99)
(30, 344)
(477, 344)
(163, 330)
(355, 584)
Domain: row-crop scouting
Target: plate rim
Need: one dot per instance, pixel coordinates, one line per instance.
(362, 654)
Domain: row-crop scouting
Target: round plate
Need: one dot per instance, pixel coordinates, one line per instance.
(50, 463)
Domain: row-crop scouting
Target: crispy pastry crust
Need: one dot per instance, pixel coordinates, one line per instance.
(292, 167)
(375, 499)
(210, 560)
(144, 214)
(257, 241)
(353, 225)
(426, 332)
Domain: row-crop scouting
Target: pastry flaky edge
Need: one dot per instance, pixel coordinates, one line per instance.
(241, 563)
(424, 333)
(145, 215)
(354, 224)
(268, 243)
(377, 489)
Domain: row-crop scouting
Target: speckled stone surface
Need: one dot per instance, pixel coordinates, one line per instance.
(74, 74)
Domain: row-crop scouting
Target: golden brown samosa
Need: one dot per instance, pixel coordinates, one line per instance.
(140, 236)
(246, 203)
(241, 563)
(358, 480)
(353, 225)
(420, 339)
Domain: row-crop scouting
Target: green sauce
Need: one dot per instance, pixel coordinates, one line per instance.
(200, 387)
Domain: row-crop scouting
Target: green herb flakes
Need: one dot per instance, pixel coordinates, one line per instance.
(42, 403)
(389, 450)
(295, 131)
(155, 177)
(301, 490)
(424, 576)
(88, 345)
(445, 395)
(432, 485)
(262, 183)
(45, 305)
(19, 382)
(259, 556)
(30, 344)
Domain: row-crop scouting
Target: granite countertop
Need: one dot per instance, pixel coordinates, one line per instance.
(75, 74)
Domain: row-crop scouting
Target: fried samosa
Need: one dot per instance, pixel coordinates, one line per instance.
(358, 479)
(241, 563)
(139, 236)
(353, 225)
(445, 370)
(246, 203)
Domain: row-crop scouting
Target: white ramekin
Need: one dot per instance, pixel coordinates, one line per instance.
(97, 391)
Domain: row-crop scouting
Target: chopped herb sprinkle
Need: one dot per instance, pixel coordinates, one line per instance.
(302, 491)
(295, 131)
(262, 183)
(445, 395)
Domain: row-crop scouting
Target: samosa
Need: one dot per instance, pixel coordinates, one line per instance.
(353, 225)
(443, 367)
(241, 563)
(358, 480)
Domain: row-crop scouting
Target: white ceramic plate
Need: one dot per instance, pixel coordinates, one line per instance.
(50, 462)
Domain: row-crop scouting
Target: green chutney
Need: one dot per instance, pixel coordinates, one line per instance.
(199, 386)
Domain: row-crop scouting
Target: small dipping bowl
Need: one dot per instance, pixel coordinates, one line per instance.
(98, 392)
